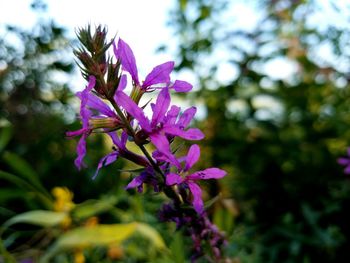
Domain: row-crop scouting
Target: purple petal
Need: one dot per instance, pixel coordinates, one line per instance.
(197, 201)
(191, 134)
(171, 115)
(160, 107)
(182, 86)
(85, 115)
(163, 146)
(77, 132)
(124, 138)
(105, 161)
(192, 156)
(131, 107)
(122, 83)
(97, 104)
(84, 112)
(119, 142)
(343, 161)
(159, 74)
(136, 182)
(127, 58)
(173, 178)
(186, 117)
(347, 170)
(210, 173)
(81, 151)
(159, 156)
(348, 151)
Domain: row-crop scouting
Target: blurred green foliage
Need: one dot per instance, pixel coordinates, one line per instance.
(276, 98)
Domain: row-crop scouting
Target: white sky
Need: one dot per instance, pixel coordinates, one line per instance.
(140, 23)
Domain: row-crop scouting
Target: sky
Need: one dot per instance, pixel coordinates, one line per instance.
(140, 23)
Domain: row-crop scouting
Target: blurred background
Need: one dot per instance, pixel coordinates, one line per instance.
(271, 82)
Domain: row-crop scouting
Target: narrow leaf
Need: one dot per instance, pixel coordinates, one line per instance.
(38, 217)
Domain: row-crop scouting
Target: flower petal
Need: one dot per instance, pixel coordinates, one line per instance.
(122, 83)
(160, 107)
(163, 146)
(131, 107)
(192, 156)
(119, 142)
(136, 182)
(191, 134)
(171, 115)
(186, 117)
(96, 103)
(343, 161)
(173, 178)
(85, 115)
(127, 58)
(105, 161)
(159, 74)
(124, 138)
(81, 151)
(84, 112)
(182, 86)
(197, 201)
(76, 133)
(209, 173)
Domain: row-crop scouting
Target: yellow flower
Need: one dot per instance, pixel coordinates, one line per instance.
(63, 199)
(79, 256)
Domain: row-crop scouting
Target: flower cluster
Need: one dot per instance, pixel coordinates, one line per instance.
(106, 107)
(345, 161)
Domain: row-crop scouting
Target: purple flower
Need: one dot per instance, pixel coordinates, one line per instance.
(182, 177)
(112, 157)
(345, 161)
(85, 130)
(147, 176)
(158, 75)
(163, 123)
(95, 114)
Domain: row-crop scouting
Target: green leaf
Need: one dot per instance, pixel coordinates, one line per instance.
(45, 198)
(23, 169)
(38, 217)
(177, 248)
(91, 236)
(151, 234)
(6, 256)
(102, 235)
(93, 207)
(9, 193)
(5, 134)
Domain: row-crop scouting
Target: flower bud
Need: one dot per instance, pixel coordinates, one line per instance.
(105, 123)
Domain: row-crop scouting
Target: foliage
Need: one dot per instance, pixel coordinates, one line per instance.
(279, 136)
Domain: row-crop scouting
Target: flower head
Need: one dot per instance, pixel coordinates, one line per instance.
(345, 161)
(163, 123)
(147, 176)
(158, 75)
(182, 177)
(95, 115)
